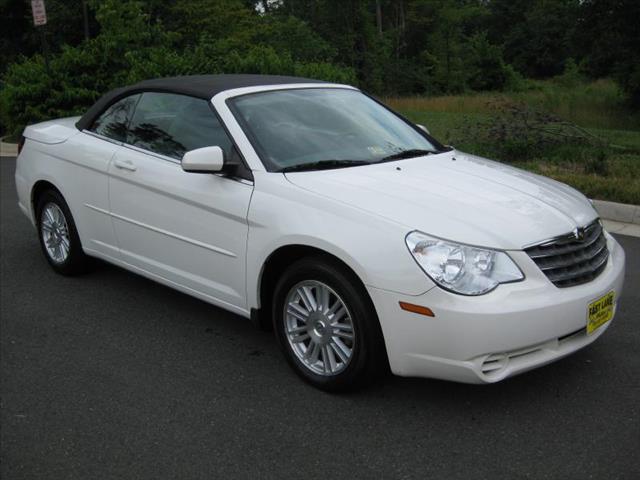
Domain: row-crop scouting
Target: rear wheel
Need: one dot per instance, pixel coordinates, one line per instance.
(58, 235)
(326, 326)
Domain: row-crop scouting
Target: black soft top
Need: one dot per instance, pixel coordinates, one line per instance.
(201, 86)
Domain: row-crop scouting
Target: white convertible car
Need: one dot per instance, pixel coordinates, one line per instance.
(313, 208)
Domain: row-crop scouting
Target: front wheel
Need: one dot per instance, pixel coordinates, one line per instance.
(326, 326)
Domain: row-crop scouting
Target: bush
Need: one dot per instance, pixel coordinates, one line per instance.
(265, 60)
(486, 68)
(571, 76)
(597, 165)
(514, 81)
(30, 94)
(516, 132)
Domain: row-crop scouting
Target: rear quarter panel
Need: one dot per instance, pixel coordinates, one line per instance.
(77, 168)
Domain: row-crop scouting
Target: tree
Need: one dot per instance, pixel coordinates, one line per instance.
(608, 41)
(536, 35)
(21, 37)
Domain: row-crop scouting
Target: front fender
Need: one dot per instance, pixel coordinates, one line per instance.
(283, 214)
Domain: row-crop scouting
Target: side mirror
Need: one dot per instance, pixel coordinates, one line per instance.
(422, 127)
(203, 160)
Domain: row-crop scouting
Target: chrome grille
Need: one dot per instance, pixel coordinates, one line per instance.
(574, 259)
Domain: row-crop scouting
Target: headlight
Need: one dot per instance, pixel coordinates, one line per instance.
(461, 268)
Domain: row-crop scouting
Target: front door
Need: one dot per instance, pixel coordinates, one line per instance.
(187, 228)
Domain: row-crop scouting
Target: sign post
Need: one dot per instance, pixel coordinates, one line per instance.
(40, 20)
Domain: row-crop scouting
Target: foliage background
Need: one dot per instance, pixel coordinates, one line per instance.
(446, 63)
(385, 46)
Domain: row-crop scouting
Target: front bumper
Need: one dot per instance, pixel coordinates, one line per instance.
(484, 339)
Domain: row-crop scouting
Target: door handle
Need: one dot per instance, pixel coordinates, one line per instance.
(125, 165)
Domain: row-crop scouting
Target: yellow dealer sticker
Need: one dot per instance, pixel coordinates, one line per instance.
(600, 312)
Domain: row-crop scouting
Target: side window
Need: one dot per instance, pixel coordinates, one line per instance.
(114, 120)
(172, 124)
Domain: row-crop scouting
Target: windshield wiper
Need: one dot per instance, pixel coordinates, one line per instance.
(411, 153)
(323, 165)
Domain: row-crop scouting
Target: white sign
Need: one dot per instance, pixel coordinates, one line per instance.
(39, 13)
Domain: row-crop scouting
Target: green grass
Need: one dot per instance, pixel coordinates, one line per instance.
(607, 168)
(598, 104)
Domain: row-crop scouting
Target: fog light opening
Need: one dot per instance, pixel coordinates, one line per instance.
(494, 364)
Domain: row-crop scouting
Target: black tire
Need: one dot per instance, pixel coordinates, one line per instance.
(368, 359)
(76, 262)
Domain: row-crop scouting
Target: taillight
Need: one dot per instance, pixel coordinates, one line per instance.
(20, 144)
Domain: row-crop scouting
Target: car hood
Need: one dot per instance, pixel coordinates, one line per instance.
(458, 197)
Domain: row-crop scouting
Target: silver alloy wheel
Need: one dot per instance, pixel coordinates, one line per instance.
(318, 327)
(55, 233)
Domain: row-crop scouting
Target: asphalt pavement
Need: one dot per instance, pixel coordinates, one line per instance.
(110, 375)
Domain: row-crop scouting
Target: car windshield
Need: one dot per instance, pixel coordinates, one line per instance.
(314, 128)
